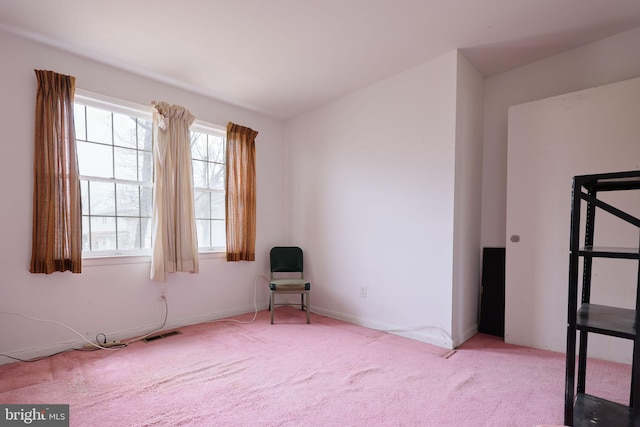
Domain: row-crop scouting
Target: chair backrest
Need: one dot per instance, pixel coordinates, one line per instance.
(286, 259)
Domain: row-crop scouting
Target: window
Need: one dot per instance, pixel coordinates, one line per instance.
(208, 156)
(114, 144)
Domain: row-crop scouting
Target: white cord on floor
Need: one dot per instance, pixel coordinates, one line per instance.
(97, 346)
(166, 315)
(60, 324)
(255, 305)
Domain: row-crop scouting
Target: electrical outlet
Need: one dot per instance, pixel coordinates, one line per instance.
(162, 295)
(363, 291)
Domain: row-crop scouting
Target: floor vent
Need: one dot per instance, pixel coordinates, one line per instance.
(159, 336)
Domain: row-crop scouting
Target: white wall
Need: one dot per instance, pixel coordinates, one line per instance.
(606, 61)
(372, 202)
(468, 191)
(118, 299)
(550, 141)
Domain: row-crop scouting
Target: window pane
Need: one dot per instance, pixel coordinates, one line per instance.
(216, 177)
(102, 198)
(84, 196)
(199, 174)
(145, 229)
(144, 134)
(128, 233)
(95, 160)
(216, 149)
(198, 146)
(218, 234)
(145, 166)
(125, 164)
(202, 204)
(78, 119)
(98, 125)
(128, 199)
(146, 198)
(103, 233)
(124, 130)
(85, 233)
(217, 205)
(204, 239)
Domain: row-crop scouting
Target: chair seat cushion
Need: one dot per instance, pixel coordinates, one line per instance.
(289, 285)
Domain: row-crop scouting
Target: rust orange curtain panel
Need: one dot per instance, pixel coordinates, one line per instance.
(57, 227)
(241, 193)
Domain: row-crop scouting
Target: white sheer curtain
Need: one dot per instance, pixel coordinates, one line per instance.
(175, 243)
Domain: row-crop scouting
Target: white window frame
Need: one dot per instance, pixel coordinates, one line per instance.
(144, 112)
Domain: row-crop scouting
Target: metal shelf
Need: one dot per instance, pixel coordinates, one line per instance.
(609, 252)
(582, 409)
(602, 319)
(593, 411)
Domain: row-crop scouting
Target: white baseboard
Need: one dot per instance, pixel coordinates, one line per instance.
(125, 335)
(425, 333)
(428, 334)
(460, 339)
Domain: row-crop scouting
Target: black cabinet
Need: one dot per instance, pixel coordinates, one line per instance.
(585, 317)
(492, 298)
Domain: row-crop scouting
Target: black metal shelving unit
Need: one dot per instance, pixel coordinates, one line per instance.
(582, 409)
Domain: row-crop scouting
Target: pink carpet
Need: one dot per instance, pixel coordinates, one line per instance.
(329, 373)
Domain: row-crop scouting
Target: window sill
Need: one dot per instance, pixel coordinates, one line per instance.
(100, 260)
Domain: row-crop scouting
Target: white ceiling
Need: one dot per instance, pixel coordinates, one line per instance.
(283, 57)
